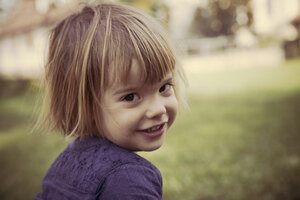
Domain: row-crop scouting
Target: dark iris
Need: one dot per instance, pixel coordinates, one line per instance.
(163, 88)
(129, 97)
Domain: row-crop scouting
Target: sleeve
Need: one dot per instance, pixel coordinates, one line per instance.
(132, 182)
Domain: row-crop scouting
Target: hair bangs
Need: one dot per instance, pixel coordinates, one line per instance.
(143, 43)
(153, 53)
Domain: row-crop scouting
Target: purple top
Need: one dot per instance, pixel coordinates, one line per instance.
(95, 168)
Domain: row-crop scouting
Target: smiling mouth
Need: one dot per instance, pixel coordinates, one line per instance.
(154, 131)
(154, 128)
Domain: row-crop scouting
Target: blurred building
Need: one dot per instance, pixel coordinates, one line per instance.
(23, 37)
(279, 19)
(272, 15)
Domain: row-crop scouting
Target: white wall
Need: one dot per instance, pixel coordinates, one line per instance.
(271, 15)
(24, 55)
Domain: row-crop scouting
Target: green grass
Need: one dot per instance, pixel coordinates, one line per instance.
(239, 140)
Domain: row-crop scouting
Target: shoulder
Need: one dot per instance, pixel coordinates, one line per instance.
(104, 157)
(122, 166)
(132, 181)
(95, 166)
(124, 175)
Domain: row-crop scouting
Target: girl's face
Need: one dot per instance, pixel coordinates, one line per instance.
(136, 116)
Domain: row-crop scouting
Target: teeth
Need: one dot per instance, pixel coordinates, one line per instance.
(153, 129)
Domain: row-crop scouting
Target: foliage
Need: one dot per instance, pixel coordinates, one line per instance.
(151, 6)
(221, 18)
(12, 87)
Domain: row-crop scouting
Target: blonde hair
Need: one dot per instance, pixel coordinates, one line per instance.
(85, 48)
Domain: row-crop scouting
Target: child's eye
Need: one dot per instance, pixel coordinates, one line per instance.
(130, 97)
(165, 87)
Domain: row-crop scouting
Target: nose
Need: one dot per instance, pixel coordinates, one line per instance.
(155, 108)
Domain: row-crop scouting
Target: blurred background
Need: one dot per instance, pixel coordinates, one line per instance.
(239, 140)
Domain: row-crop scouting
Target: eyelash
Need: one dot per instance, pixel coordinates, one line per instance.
(166, 84)
(125, 98)
(128, 95)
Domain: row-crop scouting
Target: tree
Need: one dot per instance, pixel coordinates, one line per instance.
(156, 8)
(221, 17)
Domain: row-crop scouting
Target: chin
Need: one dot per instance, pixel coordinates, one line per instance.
(148, 145)
(144, 148)
(152, 147)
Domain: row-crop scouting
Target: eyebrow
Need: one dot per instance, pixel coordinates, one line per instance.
(168, 79)
(130, 89)
(125, 90)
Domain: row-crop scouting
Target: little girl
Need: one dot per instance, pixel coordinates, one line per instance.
(112, 81)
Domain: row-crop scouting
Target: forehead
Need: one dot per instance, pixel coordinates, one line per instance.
(134, 75)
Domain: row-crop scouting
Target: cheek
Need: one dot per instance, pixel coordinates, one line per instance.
(172, 110)
(122, 120)
(106, 122)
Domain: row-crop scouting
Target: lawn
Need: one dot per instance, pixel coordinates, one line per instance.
(239, 140)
